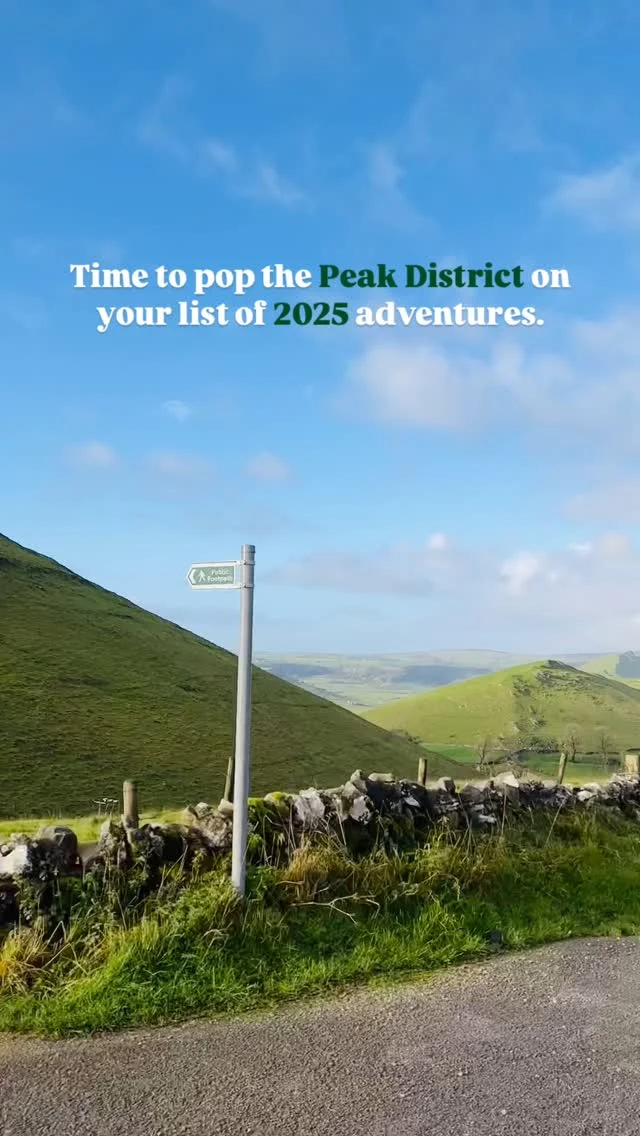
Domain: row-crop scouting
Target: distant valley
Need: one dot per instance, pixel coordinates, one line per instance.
(363, 682)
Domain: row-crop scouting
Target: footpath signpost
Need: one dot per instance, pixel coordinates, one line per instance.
(237, 574)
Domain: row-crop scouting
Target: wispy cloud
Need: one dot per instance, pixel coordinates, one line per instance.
(93, 455)
(291, 37)
(218, 155)
(177, 409)
(265, 183)
(584, 594)
(403, 569)
(268, 467)
(34, 108)
(161, 126)
(387, 198)
(183, 467)
(607, 198)
(167, 127)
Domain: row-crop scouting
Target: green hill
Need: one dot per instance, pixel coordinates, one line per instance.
(362, 682)
(94, 690)
(532, 704)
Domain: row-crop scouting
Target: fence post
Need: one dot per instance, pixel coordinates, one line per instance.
(422, 771)
(562, 767)
(228, 785)
(130, 814)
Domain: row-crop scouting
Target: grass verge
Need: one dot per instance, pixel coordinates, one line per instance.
(324, 922)
(86, 828)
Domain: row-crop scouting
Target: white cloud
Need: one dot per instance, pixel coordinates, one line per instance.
(416, 386)
(588, 390)
(180, 466)
(614, 502)
(586, 600)
(438, 542)
(403, 569)
(166, 127)
(177, 409)
(347, 572)
(520, 570)
(581, 548)
(606, 199)
(614, 545)
(94, 455)
(268, 467)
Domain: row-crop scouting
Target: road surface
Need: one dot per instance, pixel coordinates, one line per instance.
(544, 1043)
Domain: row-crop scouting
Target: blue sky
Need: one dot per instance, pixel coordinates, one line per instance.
(406, 488)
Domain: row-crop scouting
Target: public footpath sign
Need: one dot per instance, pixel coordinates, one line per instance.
(237, 574)
(223, 575)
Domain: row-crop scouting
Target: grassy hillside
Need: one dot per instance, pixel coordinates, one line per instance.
(361, 682)
(94, 690)
(539, 700)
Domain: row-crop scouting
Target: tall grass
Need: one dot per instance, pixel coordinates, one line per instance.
(122, 958)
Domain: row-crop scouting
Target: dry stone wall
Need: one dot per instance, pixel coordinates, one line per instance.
(367, 812)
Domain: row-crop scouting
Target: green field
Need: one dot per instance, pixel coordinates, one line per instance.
(581, 770)
(524, 705)
(94, 690)
(362, 682)
(86, 828)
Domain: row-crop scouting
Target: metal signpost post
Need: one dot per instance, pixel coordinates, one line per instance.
(237, 574)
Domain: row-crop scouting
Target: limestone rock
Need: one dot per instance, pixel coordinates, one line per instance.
(472, 795)
(585, 795)
(64, 837)
(360, 810)
(14, 861)
(308, 808)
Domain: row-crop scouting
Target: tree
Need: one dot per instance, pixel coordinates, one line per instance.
(606, 745)
(510, 751)
(570, 743)
(484, 749)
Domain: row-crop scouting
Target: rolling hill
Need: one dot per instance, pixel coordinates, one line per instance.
(94, 690)
(361, 682)
(532, 703)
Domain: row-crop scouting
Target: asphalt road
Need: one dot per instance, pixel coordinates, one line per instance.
(546, 1042)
